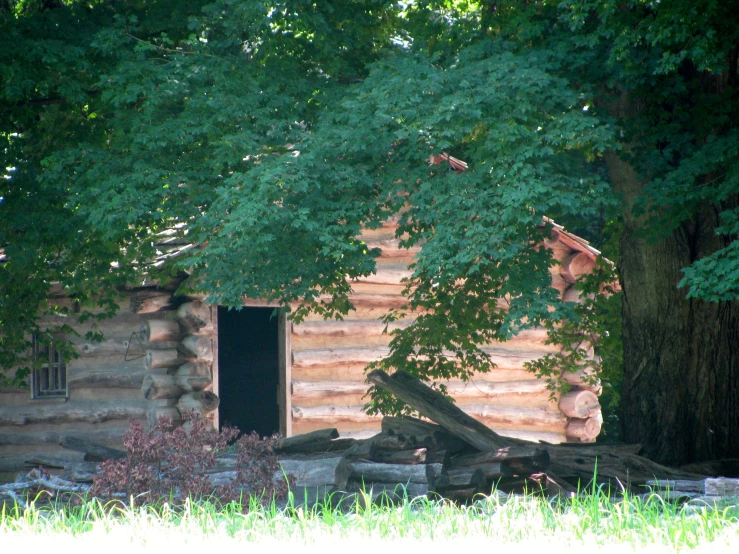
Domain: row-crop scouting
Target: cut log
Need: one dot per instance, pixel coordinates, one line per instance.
(289, 444)
(198, 346)
(722, 486)
(193, 376)
(160, 386)
(580, 404)
(202, 402)
(93, 452)
(415, 456)
(585, 429)
(193, 316)
(126, 377)
(156, 359)
(391, 473)
(435, 406)
(575, 266)
(315, 471)
(149, 301)
(160, 330)
(583, 379)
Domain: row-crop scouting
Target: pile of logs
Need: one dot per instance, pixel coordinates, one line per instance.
(449, 455)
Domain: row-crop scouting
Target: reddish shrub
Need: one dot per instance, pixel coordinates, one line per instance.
(169, 462)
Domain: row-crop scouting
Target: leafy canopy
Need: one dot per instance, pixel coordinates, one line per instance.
(269, 133)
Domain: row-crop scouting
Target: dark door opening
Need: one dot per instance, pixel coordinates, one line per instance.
(248, 370)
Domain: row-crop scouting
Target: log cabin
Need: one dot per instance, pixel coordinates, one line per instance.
(254, 369)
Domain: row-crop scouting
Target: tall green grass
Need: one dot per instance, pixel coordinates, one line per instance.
(592, 520)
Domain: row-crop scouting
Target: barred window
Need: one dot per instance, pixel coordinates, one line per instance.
(49, 373)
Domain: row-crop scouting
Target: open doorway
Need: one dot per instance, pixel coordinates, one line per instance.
(249, 370)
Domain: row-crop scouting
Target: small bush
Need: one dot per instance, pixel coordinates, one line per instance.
(171, 462)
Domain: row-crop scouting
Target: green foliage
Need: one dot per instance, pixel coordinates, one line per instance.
(270, 133)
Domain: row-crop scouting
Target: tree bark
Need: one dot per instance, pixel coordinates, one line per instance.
(680, 396)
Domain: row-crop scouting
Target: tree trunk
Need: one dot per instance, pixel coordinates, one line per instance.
(680, 396)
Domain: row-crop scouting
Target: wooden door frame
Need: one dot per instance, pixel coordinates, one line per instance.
(284, 353)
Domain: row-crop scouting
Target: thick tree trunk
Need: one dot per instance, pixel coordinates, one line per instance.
(680, 396)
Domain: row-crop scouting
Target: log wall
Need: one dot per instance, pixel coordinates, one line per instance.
(114, 382)
(329, 357)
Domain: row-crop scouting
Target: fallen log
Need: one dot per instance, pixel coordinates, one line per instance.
(315, 470)
(415, 456)
(436, 406)
(93, 452)
(395, 473)
(295, 443)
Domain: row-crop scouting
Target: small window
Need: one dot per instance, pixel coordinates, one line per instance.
(49, 373)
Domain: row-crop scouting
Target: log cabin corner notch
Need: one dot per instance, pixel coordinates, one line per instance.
(319, 365)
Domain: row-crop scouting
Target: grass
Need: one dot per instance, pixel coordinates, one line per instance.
(592, 521)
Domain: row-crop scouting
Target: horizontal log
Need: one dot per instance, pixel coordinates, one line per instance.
(531, 393)
(390, 248)
(149, 301)
(722, 486)
(160, 386)
(467, 477)
(397, 473)
(387, 275)
(580, 404)
(585, 429)
(333, 413)
(314, 335)
(349, 429)
(118, 328)
(197, 346)
(349, 357)
(92, 450)
(289, 444)
(160, 330)
(383, 289)
(315, 471)
(414, 456)
(546, 437)
(505, 454)
(71, 411)
(53, 437)
(681, 485)
(123, 376)
(369, 307)
(193, 376)
(496, 417)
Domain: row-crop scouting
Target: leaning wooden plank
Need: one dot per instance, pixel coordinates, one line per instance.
(91, 449)
(437, 407)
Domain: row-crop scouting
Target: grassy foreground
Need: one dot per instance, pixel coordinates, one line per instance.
(592, 522)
